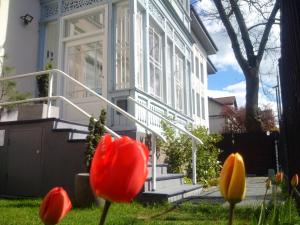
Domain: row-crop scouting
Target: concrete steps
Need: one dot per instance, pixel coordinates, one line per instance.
(169, 187)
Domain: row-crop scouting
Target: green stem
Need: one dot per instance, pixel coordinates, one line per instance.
(104, 213)
(290, 205)
(262, 209)
(231, 210)
(275, 204)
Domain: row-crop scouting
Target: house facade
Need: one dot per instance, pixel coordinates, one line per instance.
(219, 110)
(155, 51)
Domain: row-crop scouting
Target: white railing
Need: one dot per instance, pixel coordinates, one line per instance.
(193, 137)
(114, 134)
(50, 97)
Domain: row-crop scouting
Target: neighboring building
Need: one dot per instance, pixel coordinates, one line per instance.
(154, 51)
(217, 115)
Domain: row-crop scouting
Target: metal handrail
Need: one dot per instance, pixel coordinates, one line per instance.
(193, 137)
(124, 113)
(117, 108)
(55, 98)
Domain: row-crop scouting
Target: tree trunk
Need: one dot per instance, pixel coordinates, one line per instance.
(290, 82)
(252, 120)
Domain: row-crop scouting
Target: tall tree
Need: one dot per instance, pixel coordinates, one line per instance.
(248, 44)
(290, 80)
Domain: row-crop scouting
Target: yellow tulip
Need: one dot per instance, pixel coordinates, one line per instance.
(295, 180)
(233, 179)
(268, 183)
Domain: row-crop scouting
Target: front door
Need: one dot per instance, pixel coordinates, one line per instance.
(85, 60)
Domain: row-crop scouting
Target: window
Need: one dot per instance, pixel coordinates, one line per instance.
(203, 108)
(193, 96)
(139, 49)
(188, 73)
(198, 104)
(155, 61)
(197, 66)
(85, 24)
(122, 47)
(193, 64)
(179, 70)
(202, 73)
(169, 64)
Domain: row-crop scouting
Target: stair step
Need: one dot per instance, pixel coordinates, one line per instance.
(160, 169)
(164, 181)
(170, 194)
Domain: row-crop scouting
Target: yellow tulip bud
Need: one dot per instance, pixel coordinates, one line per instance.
(295, 180)
(268, 183)
(233, 179)
(279, 178)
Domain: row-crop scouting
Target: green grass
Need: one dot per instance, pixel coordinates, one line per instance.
(25, 212)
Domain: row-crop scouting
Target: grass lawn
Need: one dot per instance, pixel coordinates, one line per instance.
(25, 212)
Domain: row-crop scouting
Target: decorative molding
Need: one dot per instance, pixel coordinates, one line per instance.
(70, 5)
(155, 12)
(50, 9)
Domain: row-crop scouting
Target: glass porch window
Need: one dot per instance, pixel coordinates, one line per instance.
(85, 65)
(140, 52)
(85, 24)
(122, 77)
(169, 64)
(179, 71)
(155, 61)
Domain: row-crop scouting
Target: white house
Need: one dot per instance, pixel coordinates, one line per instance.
(155, 51)
(218, 119)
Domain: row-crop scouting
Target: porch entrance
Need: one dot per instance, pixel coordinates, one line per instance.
(85, 57)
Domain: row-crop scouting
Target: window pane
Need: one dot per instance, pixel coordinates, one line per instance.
(202, 73)
(122, 47)
(157, 82)
(139, 49)
(203, 108)
(169, 73)
(179, 80)
(197, 66)
(85, 24)
(155, 62)
(193, 96)
(198, 104)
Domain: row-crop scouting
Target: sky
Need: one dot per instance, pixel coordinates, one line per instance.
(229, 80)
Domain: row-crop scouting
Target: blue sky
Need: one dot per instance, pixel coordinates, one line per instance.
(224, 78)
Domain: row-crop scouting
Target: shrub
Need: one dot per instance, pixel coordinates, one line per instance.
(178, 150)
(96, 131)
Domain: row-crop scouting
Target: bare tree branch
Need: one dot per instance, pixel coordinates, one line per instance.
(259, 24)
(267, 30)
(232, 35)
(244, 32)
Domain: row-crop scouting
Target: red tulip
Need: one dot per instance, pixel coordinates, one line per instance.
(119, 169)
(55, 206)
(279, 177)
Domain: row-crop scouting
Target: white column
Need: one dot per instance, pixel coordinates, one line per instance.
(194, 161)
(153, 149)
(50, 86)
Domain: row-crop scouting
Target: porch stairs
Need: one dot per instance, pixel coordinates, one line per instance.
(169, 187)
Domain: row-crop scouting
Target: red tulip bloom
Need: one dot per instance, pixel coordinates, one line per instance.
(55, 206)
(119, 169)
